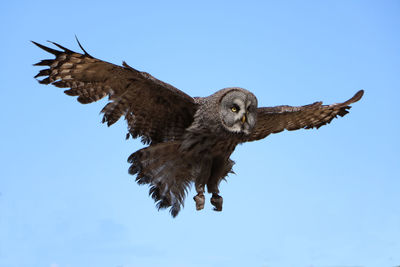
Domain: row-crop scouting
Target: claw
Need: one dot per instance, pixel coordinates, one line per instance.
(200, 200)
(216, 201)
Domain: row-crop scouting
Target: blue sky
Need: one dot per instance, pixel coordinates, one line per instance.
(322, 198)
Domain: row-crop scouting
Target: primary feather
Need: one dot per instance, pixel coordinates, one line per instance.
(154, 110)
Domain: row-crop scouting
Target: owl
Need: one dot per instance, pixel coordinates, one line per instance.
(190, 139)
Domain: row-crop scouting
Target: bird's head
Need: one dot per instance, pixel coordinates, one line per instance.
(238, 111)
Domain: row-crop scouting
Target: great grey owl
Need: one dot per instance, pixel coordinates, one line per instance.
(190, 139)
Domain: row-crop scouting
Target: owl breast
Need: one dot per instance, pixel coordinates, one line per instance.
(224, 147)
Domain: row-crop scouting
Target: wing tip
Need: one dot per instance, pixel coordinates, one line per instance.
(79, 43)
(61, 47)
(47, 49)
(356, 97)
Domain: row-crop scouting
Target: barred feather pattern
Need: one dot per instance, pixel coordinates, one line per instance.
(154, 110)
(276, 119)
(188, 142)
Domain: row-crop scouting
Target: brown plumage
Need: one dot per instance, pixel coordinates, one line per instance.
(164, 115)
(190, 139)
(277, 119)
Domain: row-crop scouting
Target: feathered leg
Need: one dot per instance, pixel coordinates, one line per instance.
(199, 198)
(219, 170)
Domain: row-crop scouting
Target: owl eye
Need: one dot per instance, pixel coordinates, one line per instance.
(235, 108)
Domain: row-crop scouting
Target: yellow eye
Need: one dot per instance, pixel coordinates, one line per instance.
(234, 109)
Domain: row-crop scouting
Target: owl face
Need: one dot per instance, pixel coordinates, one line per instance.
(238, 111)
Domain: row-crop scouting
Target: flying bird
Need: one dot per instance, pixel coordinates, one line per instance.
(190, 139)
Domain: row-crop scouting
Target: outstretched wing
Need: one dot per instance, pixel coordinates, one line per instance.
(276, 119)
(154, 110)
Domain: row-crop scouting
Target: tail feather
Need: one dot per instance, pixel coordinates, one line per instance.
(167, 171)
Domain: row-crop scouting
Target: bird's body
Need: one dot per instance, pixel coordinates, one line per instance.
(190, 139)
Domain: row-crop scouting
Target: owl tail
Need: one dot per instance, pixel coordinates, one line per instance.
(168, 172)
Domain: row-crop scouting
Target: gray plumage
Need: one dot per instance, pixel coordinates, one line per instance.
(190, 139)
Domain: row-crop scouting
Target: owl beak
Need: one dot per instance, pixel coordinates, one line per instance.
(244, 118)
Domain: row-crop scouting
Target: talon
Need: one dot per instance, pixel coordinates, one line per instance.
(216, 201)
(200, 200)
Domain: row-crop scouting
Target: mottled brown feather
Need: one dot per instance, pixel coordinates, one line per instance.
(168, 172)
(279, 118)
(154, 110)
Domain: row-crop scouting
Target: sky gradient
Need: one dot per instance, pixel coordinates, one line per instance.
(321, 198)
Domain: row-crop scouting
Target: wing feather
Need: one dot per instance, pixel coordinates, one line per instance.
(154, 110)
(276, 119)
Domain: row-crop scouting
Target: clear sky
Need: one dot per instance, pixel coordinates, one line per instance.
(321, 198)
